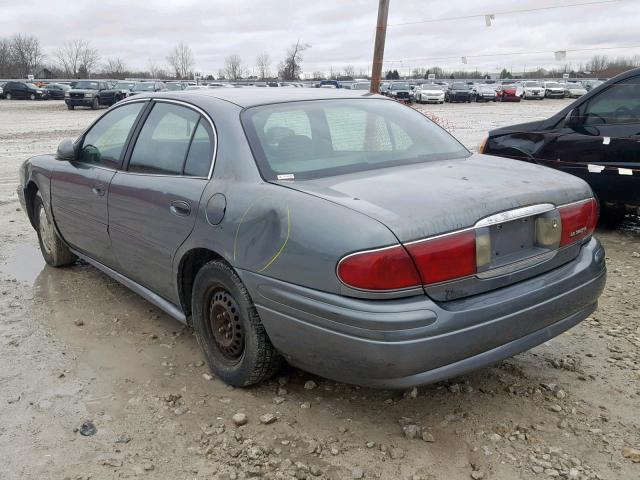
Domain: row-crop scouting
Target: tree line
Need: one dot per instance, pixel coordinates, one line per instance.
(22, 55)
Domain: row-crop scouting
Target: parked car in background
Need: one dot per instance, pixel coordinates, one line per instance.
(85, 94)
(553, 90)
(56, 91)
(328, 84)
(119, 91)
(591, 84)
(175, 86)
(146, 87)
(459, 92)
(333, 228)
(428, 93)
(484, 93)
(574, 89)
(1, 89)
(23, 91)
(361, 86)
(384, 88)
(594, 138)
(532, 90)
(510, 92)
(400, 91)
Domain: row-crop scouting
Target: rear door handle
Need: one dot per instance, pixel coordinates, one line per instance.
(98, 189)
(180, 208)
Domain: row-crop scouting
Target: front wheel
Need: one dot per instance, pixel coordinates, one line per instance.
(32, 96)
(94, 104)
(53, 249)
(228, 328)
(8, 96)
(71, 107)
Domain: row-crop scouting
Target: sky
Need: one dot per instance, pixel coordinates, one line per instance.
(340, 32)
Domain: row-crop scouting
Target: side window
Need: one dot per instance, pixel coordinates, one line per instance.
(619, 103)
(200, 152)
(104, 143)
(164, 140)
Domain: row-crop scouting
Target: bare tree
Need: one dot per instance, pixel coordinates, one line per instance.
(78, 58)
(181, 60)
(318, 75)
(263, 64)
(598, 63)
(233, 68)
(6, 61)
(291, 67)
(26, 54)
(114, 67)
(349, 71)
(156, 71)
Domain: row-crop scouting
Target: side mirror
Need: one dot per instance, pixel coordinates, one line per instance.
(573, 119)
(66, 150)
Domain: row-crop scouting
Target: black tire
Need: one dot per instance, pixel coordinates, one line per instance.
(53, 249)
(95, 104)
(611, 216)
(228, 328)
(8, 96)
(71, 107)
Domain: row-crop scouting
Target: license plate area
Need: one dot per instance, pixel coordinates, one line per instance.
(519, 242)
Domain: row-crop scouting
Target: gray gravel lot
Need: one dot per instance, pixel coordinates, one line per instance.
(79, 351)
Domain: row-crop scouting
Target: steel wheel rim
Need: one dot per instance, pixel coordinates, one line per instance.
(225, 325)
(46, 231)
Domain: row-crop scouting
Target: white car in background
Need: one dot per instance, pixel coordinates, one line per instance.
(574, 90)
(553, 90)
(532, 89)
(428, 93)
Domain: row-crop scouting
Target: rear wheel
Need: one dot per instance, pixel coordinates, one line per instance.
(612, 215)
(228, 328)
(53, 249)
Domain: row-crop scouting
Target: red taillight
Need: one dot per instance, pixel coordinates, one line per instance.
(446, 257)
(384, 269)
(578, 220)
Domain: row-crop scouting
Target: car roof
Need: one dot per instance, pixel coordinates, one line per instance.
(250, 97)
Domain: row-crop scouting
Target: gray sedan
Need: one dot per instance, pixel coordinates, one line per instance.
(340, 231)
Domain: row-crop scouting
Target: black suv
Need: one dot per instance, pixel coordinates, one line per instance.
(120, 90)
(23, 91)
(596, 138)
(85, 94)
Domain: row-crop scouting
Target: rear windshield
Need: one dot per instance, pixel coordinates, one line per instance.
(321, 138)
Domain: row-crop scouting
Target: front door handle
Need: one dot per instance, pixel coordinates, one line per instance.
(180, 208)
(98, 189)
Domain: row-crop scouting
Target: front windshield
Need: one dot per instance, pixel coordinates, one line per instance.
(552, 85)
(460, 86)
(531, 84)
(86, 85)
(321, 138)
(125, 85)
(174, 86)
(400, 86)
(144, 87)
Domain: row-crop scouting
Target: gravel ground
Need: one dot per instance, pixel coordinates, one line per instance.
(97, 383)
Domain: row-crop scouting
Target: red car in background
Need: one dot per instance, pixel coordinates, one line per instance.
(509, 93)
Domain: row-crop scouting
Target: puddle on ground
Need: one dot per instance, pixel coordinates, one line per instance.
(24, 263)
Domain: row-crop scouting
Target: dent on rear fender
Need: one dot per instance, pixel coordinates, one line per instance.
(262, 233)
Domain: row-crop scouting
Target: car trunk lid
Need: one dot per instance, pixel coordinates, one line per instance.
(498, 198)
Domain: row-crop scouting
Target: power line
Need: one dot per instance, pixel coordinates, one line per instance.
(508, 12)
(510, 54)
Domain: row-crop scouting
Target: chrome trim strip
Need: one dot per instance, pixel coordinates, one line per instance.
(144, 292)
(187, 105)
(514, 214)
(519, 265)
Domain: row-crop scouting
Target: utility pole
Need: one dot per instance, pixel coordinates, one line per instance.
(378, 48)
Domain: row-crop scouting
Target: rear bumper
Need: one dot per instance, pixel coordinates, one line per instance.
(412, 341)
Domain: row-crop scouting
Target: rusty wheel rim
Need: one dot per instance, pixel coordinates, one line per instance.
(225, 324)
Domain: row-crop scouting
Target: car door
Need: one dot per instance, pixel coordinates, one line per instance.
(79, 188)
(601, 142)
(154, 202)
